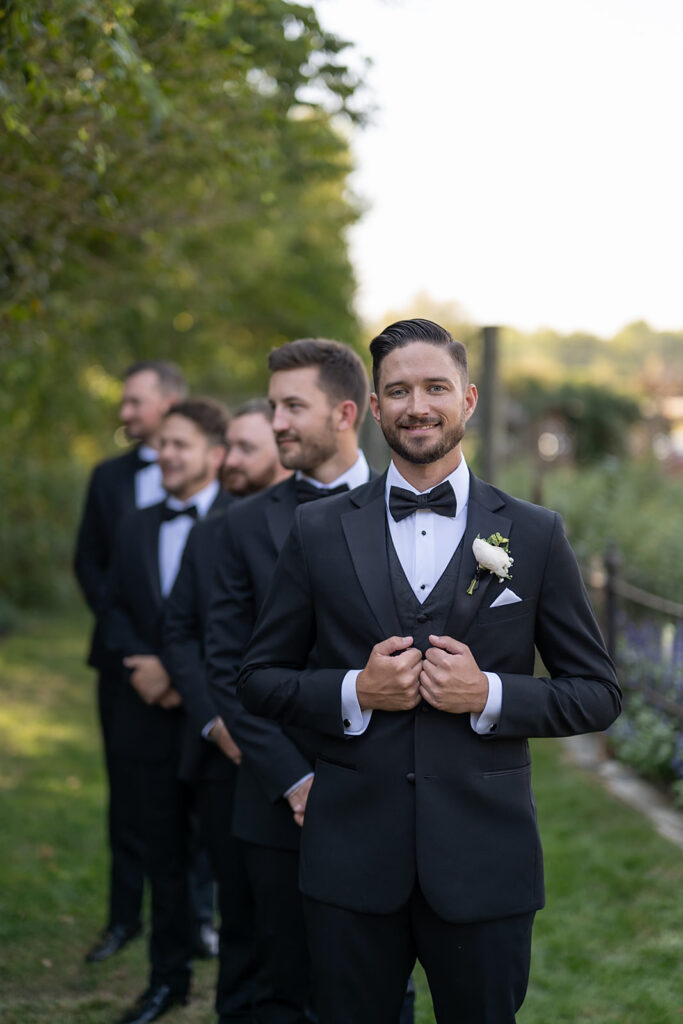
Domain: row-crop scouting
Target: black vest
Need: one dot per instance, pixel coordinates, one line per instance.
(419, 620)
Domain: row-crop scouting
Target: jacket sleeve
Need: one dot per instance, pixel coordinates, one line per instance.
(91, 559)
(121, 634)
(275, 681)
(580, 694)
(274, 759)
(183, 642)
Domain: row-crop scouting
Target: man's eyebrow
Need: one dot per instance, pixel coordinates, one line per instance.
(425, 380)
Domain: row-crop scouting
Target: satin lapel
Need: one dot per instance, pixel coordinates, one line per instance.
(482, 521)
(279, 511)
(365, 531)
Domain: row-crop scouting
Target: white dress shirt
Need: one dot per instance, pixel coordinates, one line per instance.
(425, 543)
(148, 487)
(173, 534)
(357, 474)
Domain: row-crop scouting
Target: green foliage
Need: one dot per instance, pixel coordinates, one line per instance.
(173, 177)
(645, 739)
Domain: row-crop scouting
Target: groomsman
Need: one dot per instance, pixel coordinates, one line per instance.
(149, 719)
(318, 392)
(424, 595)
(210, 756)
(117, 487)
(253, 462)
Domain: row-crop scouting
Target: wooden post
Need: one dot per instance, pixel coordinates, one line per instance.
(612, 562)
(490, 406)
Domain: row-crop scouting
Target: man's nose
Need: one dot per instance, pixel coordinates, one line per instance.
(280, 421)
(418, 404)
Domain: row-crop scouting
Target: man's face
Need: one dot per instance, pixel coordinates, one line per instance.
(303, 419)
(252, 461)
(422, 404)
(188, 460)
(143, 405)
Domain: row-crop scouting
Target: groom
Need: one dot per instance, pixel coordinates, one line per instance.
(420, 839)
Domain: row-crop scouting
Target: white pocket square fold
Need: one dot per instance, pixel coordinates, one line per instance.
(507, 597)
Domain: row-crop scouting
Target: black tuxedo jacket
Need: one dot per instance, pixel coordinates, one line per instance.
(110, 498)
(274, 759)
(134, 626)
(420, 794)
(184, 625)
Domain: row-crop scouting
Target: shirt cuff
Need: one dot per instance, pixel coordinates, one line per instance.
(354, 720)
(208, 727)
(296, 785)
(487, 721)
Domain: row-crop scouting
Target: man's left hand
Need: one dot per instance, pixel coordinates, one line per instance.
(450, 679)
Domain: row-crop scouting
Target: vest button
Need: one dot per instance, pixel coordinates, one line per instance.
(410, 777)
(422, 618)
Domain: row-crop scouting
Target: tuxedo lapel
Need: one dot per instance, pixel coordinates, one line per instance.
(280, 510)
(365, 531)
(149, 565)
(483, 519)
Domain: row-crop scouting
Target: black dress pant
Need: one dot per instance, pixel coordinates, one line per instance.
(281, 938)
(237, 965)
(126, 872)
(477, 972)
(166, 806)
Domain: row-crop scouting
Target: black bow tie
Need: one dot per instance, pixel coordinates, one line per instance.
(142, 463)
(308, 492)
(168, 513)
(441, 499)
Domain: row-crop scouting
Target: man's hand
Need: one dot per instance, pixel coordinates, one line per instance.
(220, 735)
(390, 680)
(149, 678)
(450, 679)
(298, 799)
(170, 699)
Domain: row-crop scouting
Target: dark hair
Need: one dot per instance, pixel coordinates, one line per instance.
(255, 407)
(403, 332)
(209, 416)
(341, 374)
(170, 377)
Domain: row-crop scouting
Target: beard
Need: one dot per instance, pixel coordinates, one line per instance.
(309, 453)
(242, 484)
(423, 451)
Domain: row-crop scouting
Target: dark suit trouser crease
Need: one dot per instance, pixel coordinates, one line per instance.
(281, 937)
(477, 972)
(166, 808)
(237, 969)
(126, 873)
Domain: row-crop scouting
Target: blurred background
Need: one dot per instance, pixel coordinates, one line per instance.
(203, 180)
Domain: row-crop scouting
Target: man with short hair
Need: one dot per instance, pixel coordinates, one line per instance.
(150, 723)
(401, 628)
(252, 463)
(318, 392)
(117, 487)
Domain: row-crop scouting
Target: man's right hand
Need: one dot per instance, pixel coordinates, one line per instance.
(391, 679)
(224, 741)
(148, 676)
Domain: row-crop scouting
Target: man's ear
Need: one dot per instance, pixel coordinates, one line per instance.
(471, 398)
(374, 407)
(347, 414)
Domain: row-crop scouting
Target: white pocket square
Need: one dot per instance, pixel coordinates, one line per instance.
(507, 597)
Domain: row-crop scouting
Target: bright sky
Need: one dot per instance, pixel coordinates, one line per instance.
(525, 158)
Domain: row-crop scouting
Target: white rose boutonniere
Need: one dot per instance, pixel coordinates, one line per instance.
(492, 555)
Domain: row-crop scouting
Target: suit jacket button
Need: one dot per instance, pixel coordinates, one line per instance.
(422, 618)
(410, 777)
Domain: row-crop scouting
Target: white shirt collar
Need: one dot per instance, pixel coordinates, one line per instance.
(459, 480)
(203, 499)
(357, 474)
(147, 453)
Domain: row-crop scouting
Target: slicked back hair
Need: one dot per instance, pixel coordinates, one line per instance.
(341, 374)
(171, 378)
(255, 407)
(209, 416)
(404, 332)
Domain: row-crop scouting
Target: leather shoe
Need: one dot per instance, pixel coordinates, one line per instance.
(111, 942)
(153, 1002)
(206, 943)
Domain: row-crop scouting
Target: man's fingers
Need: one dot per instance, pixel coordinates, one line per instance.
(447, 643)
(392, 644)
(133, 660)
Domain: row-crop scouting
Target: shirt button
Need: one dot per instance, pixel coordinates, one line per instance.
(422, 586)
(424, 533)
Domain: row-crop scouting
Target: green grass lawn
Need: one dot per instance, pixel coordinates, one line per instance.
(608, 948)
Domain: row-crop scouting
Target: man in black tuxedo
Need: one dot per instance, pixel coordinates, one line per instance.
(149, 722)
(318, 391)
(117, 487)
(209, 754)
(420, 838)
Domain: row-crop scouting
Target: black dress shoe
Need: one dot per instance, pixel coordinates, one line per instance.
(111, 941)
(206, 943)
(153, 1002)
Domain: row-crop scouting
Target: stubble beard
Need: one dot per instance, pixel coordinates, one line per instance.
(420, 454)
(311, 453)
